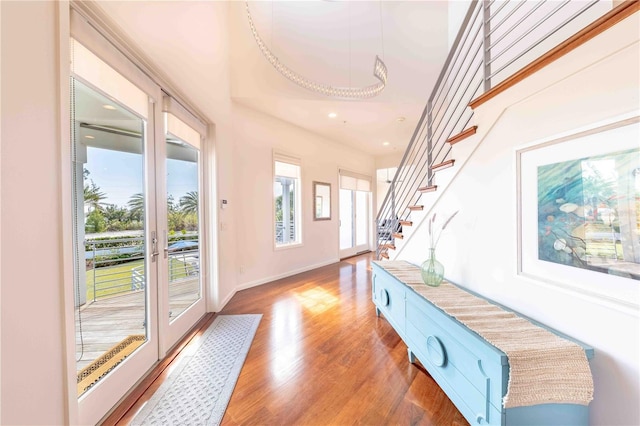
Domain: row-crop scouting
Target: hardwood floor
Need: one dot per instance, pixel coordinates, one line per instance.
(322, 357)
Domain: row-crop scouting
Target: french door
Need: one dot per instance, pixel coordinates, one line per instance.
(136, 184)
(182, 263)
(355, 213)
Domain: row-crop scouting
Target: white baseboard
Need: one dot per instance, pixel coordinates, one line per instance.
(226, 300)
(261, 281)
(266, 280)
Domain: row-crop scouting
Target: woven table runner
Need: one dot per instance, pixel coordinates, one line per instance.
(543, 367)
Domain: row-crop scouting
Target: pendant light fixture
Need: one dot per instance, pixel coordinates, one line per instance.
(379, 72)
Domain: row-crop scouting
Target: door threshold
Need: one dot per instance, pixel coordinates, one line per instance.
(355, 255)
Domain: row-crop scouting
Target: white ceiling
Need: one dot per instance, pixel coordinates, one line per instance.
(330, 42)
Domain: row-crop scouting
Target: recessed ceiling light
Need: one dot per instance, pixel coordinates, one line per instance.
(89, 137)
(400, 118)
(332, 115)
(385, 143)
(109, 107)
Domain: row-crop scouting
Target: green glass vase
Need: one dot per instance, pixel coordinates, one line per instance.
(432, 271)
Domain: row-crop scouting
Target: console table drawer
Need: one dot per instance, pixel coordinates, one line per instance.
(388, 296)
(470, 370)
(477, 362)
(435, 356)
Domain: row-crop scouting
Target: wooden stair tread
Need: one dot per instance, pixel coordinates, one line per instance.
(430, 188)
(397, 235)
(406, 223)
(389, 246)
(443, 165)
(384, 254)
(416, 208)
(462, 135)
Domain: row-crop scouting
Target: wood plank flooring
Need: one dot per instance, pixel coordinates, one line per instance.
(322, 357)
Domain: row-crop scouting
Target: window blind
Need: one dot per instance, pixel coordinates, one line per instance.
(95, 71)
(354, 181)
(181, 130)
(286, 166)
(171, 106)
(287, 170)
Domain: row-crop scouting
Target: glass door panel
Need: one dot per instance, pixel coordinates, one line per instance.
(180, 181)
(111, 231)
(354, 222)
(346, 219)
(362, 219)
(183, 224)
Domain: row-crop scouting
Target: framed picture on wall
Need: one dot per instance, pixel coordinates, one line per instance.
(579, 211)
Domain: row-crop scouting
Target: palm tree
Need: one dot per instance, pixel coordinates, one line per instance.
(93, 197)
(136, 206)
(189, 202)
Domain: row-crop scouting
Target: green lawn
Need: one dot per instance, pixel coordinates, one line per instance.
(117, 279)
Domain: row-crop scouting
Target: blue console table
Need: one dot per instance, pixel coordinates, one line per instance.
(472, 372)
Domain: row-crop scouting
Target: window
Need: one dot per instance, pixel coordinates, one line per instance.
(286, 200)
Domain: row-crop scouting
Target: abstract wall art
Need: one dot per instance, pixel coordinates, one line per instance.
(589, 213)
(578, 210)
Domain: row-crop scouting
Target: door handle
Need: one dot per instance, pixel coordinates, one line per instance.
(154, 246)
(166, 244)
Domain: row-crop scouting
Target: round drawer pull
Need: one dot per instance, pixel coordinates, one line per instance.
(384, 297)
(436, 351)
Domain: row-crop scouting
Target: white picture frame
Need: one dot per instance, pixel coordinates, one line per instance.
(620, 135)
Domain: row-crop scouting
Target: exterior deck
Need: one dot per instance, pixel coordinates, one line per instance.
(107, 321)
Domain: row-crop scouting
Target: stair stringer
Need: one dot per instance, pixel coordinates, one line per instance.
(488, 115)
(445, 177)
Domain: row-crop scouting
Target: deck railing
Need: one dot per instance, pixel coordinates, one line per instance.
(280, 232)
(495, 40)
(116, 266)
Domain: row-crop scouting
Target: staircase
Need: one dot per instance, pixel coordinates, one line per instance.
(499, 42)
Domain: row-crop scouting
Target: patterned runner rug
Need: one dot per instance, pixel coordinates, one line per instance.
(198, 390)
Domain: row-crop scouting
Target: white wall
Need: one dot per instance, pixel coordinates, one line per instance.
(32, 331)
(242, 148)
(33, 361)
(33, 357)
(256, 135)
(479, 251)
(0, 223)
(382, 187)
(457, 11)
(390, 160)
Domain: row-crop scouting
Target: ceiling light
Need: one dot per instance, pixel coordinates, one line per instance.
(401, 119)
(385, 143)
(89, 137)
(109, 107)
(332, 115)
(379, 72)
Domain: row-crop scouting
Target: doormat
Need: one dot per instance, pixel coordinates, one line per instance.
(198, 390)
(106, 362)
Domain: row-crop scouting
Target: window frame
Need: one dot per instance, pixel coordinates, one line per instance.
(294, 161)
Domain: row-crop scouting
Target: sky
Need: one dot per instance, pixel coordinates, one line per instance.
(120, 175)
